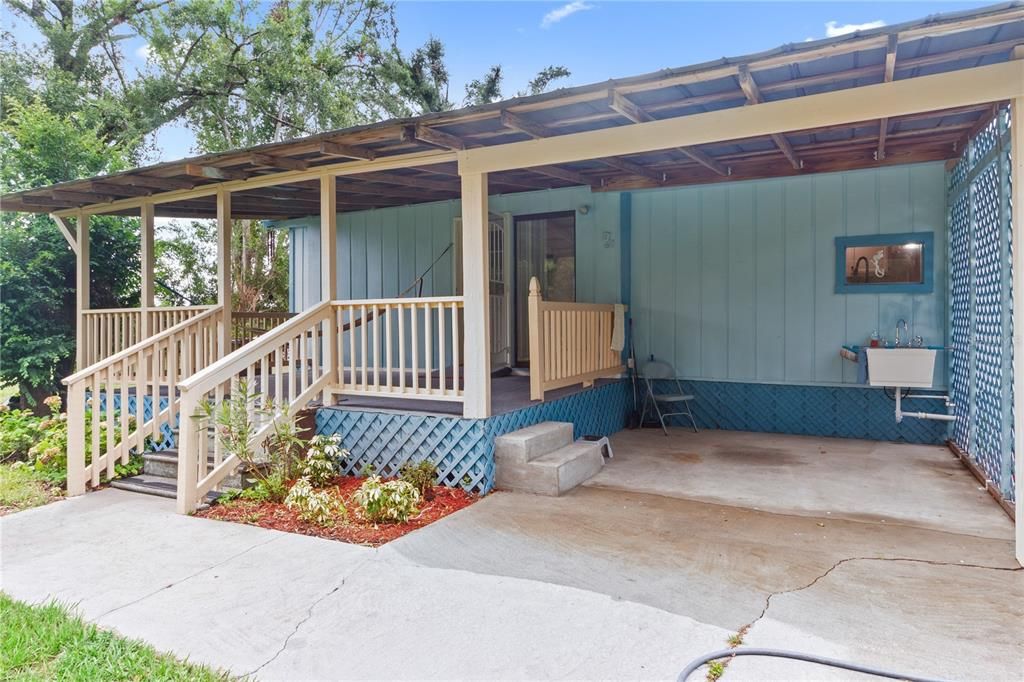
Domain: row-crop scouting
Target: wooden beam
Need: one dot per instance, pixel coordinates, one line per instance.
(159, 184)
(214, 173)
(564, 174)
(66, 231)
(148, 262)
(329, 246)
(947, 90)
(70, 196)
(278, 162)
(636, 114)
(224, 288)
(539, 131)
(81, 288)
(432, 136)
(753, 93)
(476, 301)
(348, 151)
(887, 77)
(411, 181)
(109, 188)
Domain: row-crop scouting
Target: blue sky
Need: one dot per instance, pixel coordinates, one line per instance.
(598, 39)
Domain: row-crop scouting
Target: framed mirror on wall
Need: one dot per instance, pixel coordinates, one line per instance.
(885, 263)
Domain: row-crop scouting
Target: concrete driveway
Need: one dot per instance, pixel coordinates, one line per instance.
(604, 583)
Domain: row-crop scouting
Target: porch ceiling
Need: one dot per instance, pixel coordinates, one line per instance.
(938, 44)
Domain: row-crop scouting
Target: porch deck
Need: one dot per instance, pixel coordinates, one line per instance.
(508, 394)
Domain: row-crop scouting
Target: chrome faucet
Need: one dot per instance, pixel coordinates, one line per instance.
(906, 329)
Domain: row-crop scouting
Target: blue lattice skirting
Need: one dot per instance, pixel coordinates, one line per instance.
(831, 411)
(463, 449)
(147, 410)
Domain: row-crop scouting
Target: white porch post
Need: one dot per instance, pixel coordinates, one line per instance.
(224, 269)
(329, 273)
(1017, 220)
(81, 288)
(146, 297)
(477, 368)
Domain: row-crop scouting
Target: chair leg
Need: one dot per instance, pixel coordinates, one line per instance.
(689, 412)
(661, 418)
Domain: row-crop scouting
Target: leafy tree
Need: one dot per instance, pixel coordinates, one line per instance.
(37, 280)
(484, 90)
(542, 81)
(419, 84)
(186, 254)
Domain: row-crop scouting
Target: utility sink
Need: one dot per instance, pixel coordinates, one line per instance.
(904, 367)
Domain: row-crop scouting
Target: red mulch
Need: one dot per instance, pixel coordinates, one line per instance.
(356, 530)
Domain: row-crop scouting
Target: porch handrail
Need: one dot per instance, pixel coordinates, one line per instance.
(335, 347)
(570, 343)
(295, 346)
(107, 331)
(147, 371)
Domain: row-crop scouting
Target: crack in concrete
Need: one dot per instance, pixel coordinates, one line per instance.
(833, 567)
(186, 578)
(308, 616)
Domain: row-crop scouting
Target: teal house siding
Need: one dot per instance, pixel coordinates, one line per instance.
(731, 282)
(381, 252)
(735, 282)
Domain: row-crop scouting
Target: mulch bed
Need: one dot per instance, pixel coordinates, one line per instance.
(356, 530)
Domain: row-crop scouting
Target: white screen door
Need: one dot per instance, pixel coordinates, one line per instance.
(498, 266)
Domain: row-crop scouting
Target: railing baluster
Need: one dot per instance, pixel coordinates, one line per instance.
(428, 350)
(442, 362)
(387, 340)
(376, 347)
(401, 346)
(140, 400)
(95, 425)
(125, 416)
(108, 395)
(362, 356)
(455, 349)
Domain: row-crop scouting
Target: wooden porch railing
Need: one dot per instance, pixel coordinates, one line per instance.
(248, 326)
(111, 330)
(390, 347)
(147, 371)
(570, 343)
(405, 347)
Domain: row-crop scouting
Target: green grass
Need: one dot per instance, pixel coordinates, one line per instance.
(47, 643)
(20, 488)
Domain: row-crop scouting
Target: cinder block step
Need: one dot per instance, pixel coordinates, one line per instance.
(525, 445)
(553, 473)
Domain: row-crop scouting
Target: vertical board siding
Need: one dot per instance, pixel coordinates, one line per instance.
(382, 252)
(748, 294)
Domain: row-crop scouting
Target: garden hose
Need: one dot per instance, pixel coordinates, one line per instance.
(797, 656)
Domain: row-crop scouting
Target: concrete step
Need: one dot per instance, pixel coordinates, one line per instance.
(160, 486)
(554, 473)
(164, 464)
(527, 444)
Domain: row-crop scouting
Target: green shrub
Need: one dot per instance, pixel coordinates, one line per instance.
(422, 475)
(387, 502)
(19, 431)
(314, 506)
(323, 459)
(269, 487)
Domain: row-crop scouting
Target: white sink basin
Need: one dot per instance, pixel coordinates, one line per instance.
(905, 367)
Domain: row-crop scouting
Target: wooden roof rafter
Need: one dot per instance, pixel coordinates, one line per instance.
(754, 96)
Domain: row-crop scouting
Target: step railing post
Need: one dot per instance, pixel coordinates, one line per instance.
(76, 439)
(536, 341)
(189, 451)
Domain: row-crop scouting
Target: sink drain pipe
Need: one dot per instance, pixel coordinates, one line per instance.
(900, 414)
(797, 656)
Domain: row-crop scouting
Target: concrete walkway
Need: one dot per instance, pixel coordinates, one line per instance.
(607, 582)
(284, 606)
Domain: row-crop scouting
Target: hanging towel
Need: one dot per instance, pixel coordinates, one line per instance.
(619, 328)
(862, 365)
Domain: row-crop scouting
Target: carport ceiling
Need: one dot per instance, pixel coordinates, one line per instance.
(938, 44)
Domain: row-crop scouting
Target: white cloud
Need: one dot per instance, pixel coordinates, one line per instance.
(143, 52)
(834, 28)
(567, 10)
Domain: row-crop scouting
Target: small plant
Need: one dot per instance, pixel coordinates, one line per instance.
(367, 470)
(715, 670)
(132, 468)
(314, 506)
(322, 459)
(422, 475)
(387, 502)
(269, 487)
(284, 445)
